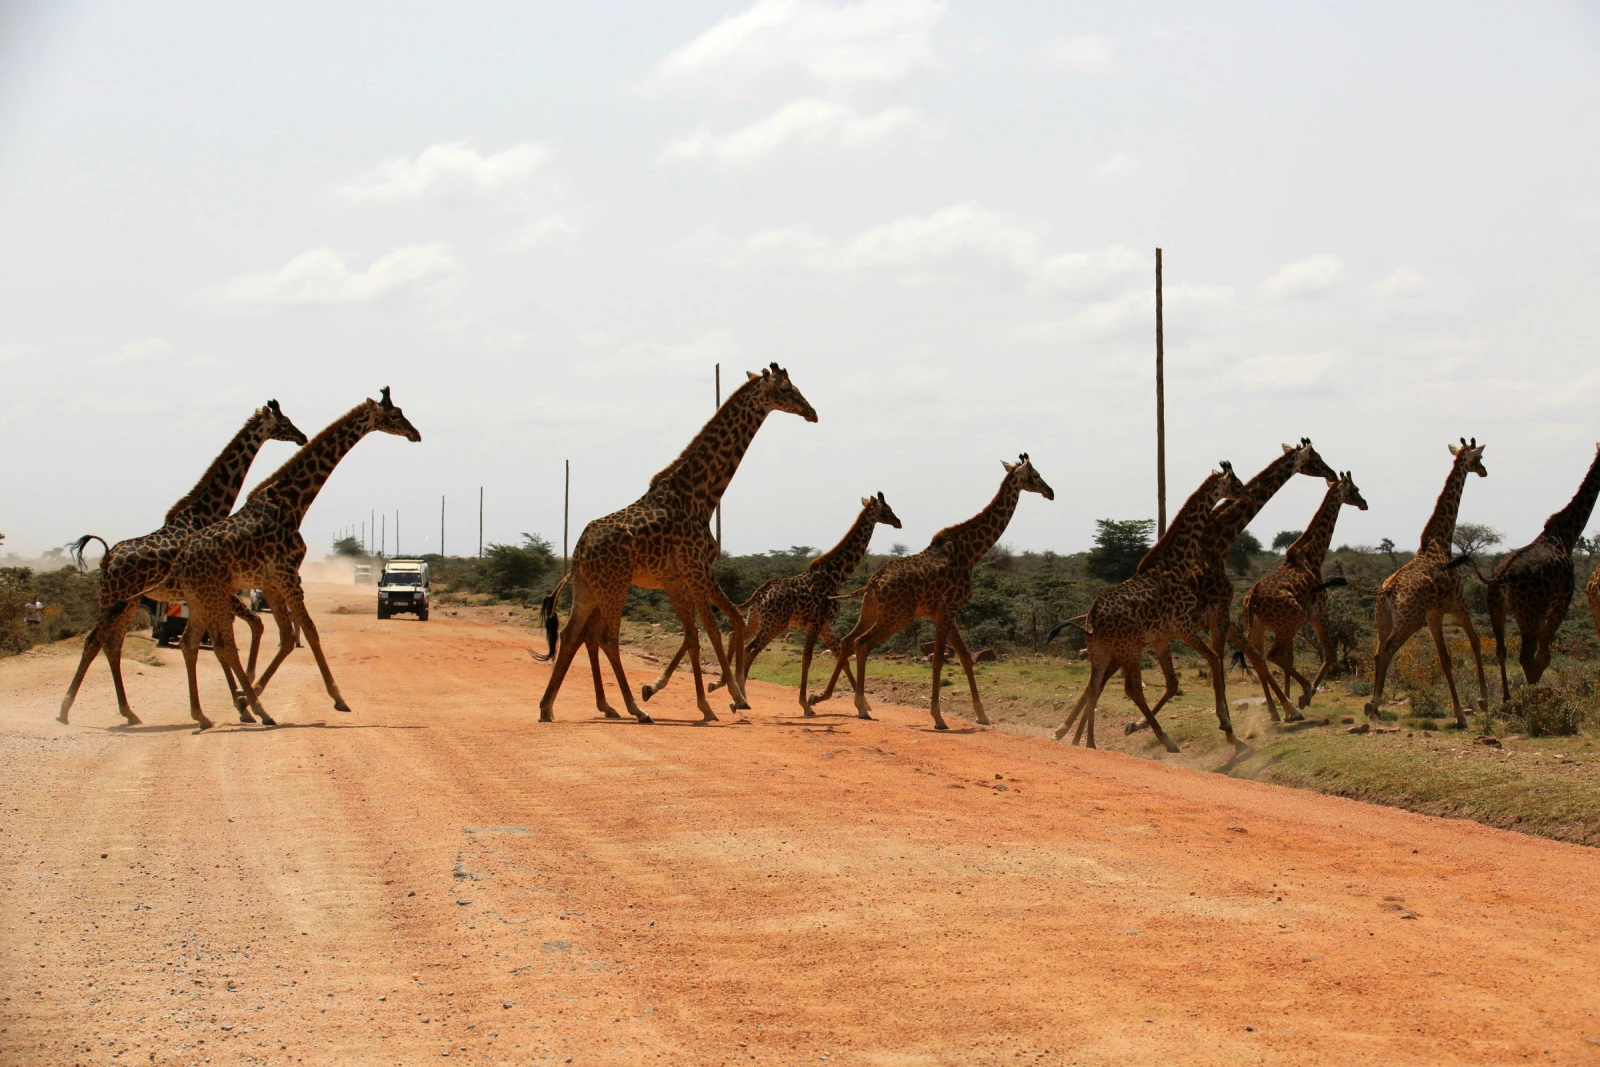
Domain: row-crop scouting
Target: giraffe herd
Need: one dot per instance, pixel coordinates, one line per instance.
(1179, 591)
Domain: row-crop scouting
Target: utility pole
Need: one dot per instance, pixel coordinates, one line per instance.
(480, 522)
(719, 502)
(363, 535)
(441, 526)
(397, 531)
(1161, 411)
(374, 527)
(566, 510)
(383, 538)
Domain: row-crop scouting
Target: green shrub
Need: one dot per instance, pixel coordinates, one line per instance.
(1358, 688)
(1545, 710)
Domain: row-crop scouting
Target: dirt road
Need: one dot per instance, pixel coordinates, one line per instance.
(438, 875)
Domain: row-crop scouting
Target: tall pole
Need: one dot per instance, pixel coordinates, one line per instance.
(1161, 411)
(397, 531)
(363, 535)
(480, 522)
(373, 528)
(383, 538)
(441, 525)
(566, 510)
(719, 502)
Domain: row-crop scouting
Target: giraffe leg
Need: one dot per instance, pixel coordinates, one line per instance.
(846, 649)
(1319, 624)
(189, 644)
(880, 632)
(1547, 634)
(1465, 618)
(1098, 675)
(704, 588)
(610, 640)
(1162, 649)
(1282, 654)
(287, 639)
(941, 634)
(1436, 628)
(1133, 686)
(257, 627)
(297, 609)
(1257, 631)
(111, 647)
(841, 662)
(683, 603)
(599, 684)
(91, 649)
(1219, 690)
(805, 668)
(226, 650)
(1497, 629)
(572, 635)
(1258, 663)
(650, 689)
(960, 645)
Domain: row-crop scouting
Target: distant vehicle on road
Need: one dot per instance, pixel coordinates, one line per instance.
(363, 573)
(404, 588)
(168, 620)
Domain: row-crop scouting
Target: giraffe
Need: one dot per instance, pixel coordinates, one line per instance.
(143, 565)
(805, 599)
(934, 584)
(1294, 593)
(1159, 602)
(260, 547)
(1535, 583)
(663, 541)
(1428, 587)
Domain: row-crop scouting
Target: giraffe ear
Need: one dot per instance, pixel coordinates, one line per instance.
(866, 501)
(751, 375)
(1008, 466)
(1288, 448)
(1454, 450)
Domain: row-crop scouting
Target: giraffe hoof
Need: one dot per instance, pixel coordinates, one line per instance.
(545, 716)
(61, 717)
(129, 717)
(647, 691)
(203, 724)
(240, 703)
(610, 713)
(340, 705)
(645, 720)
(805, 709)
(1305, 700)
(245, 716)
(941, 725)
(268, 720)
(1294, 716)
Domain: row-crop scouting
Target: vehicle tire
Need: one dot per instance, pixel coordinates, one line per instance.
(383, 612)
(422, 616)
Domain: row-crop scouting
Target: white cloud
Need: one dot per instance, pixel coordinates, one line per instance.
(1267, 373)
(804, 122)
(138, 352)
(1404, 282)
(1088, 54)
(918, 247)
(874, 41)
(1303, 278)
(719, 345)
(321, 276)
(446, 169)
(536, 234)
(1115, 169)
(10, 351)
(1107, 318)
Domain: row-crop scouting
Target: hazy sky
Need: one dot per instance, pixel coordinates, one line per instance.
(543, 224)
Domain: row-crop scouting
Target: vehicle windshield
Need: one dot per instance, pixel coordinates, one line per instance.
(402, 578)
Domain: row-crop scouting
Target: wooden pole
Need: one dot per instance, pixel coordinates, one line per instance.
(719, 503)
(383, 537)
(441, 525)
(480, 522)
(566, 511)
(1161, 411)
(397, 531)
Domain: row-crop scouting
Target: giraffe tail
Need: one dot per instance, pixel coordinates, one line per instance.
(850, 596)
(1331, 583)
(1465, 561)
(1073, 622)
(551, 622)
(77, 547)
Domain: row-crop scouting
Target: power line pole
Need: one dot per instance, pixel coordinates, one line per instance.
(566, 510)
(480, 522)
(719, 502)
(1161, 411)
(383, 538)
(397, 531)
(441, 526)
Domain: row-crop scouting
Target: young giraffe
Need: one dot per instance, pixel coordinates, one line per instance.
(142, 566)
(1294, 593)
(1535, 583)
(934, 584)
(663, 541)
(1428, 587)
(260, 547)
(1160, 602)
(805, 599)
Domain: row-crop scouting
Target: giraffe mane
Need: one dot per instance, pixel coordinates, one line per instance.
(316, 443)
(193, 495)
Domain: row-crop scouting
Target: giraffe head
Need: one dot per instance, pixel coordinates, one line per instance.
(777, 393)
(1027, 478)
(278, 426)
(1348, 493)
(1308, 462)
(881, 512)
(1227, 485)
(1470, 456)
(386, 418)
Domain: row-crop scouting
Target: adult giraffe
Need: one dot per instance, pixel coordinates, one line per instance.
(141, 566)
(260, 547)
(1535, 583)
(934, 584)
(1161, 601)
(1294, 594)
(1429, 587)
(663, 541)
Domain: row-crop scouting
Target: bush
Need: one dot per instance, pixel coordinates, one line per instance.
(1358, 688)
(1119, 545)
(1544, 711)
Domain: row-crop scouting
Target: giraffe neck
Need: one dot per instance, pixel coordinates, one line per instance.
(967, 542)
(295, 485)
(1233, 517)
(1180, 541)
(702, 471)
(1442, 523)
(1311, 547)
(213, 496)
(1566, 525)
(841, 561)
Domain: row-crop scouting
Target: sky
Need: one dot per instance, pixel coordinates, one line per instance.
(544, 225)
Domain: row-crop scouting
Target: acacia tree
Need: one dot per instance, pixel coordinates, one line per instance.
(1119, 545)
(1284, 538)
(1471, 538)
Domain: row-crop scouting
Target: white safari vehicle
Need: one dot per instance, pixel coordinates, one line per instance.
(403, 588)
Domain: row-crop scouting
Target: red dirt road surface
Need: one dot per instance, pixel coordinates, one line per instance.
(439, 875)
